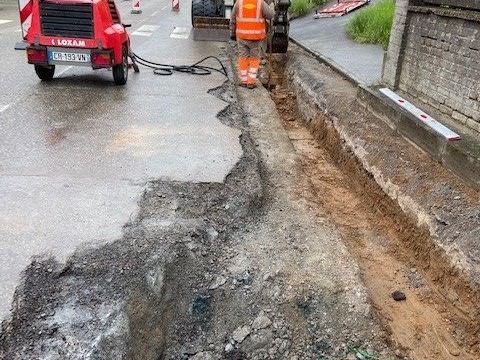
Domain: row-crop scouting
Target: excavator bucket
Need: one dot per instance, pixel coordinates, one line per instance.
(203, 22)
(279, 43)
(210, 29)
(280, 27)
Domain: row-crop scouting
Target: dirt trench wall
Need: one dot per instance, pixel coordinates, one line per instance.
(435, 202)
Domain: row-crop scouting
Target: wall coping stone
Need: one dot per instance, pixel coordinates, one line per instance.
(446, 12)
(465, 4)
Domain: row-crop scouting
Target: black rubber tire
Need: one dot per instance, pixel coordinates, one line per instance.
(45, 73)
(120, 71)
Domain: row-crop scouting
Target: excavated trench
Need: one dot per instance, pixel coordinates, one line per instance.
(438, 318)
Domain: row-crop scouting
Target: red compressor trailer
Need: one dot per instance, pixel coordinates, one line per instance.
(77, 32)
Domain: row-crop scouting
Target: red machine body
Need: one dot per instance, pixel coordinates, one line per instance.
(77, 32)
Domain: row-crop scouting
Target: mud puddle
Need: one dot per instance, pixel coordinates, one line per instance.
(433, 322)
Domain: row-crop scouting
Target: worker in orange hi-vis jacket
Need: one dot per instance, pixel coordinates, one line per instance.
(248, 25)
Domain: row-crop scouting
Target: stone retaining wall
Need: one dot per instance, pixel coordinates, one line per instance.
(434, 55)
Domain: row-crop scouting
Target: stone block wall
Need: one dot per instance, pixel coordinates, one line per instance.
(434, 55)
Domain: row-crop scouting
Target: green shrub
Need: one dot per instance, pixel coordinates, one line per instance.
(303, 7)
(373, 24)
(300, 7)
(318, 3)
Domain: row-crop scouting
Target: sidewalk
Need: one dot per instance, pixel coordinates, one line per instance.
(327, 37)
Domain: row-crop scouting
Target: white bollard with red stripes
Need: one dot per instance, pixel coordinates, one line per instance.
(176, 5)
(136, 7)
(25, 9)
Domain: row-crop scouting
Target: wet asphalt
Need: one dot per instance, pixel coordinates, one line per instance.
(76, 154)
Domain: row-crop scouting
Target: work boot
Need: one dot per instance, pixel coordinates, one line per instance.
(251, 86)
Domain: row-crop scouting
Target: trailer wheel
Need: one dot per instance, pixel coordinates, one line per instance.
(45, 73)
(120, 71)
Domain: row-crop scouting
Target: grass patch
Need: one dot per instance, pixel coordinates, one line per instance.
(300, 7)
(303, 7)
(318, 3)
(373, 24)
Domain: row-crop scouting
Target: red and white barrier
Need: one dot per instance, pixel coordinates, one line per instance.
(136, 7)
(342, 7)
(176, 5)
(25, 9)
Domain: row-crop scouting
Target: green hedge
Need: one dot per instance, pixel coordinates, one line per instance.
(303, 7)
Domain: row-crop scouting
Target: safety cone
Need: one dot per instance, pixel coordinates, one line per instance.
(176, 5)
(136, 7)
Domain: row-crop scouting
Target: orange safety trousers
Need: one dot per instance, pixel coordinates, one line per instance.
(248, 70)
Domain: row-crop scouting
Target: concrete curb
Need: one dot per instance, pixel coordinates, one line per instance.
(455, 156)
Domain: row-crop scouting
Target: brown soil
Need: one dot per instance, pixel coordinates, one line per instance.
(432, 323)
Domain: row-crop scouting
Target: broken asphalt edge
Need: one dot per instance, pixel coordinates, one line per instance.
(100, 296)
(446, 206)
(455, 156)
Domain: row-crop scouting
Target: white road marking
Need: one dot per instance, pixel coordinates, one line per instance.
(155, 13)
(148, 28)
(4, 21)
(140, 33)
(166, 6)
(5, 107)
(145, 30)
(64, 70)
(180, 33)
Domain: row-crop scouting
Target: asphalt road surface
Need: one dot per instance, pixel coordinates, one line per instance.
(77, 153)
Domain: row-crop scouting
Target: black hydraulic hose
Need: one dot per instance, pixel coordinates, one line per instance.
(194, 69)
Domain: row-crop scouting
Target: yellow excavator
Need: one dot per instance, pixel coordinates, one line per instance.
(210, 20)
